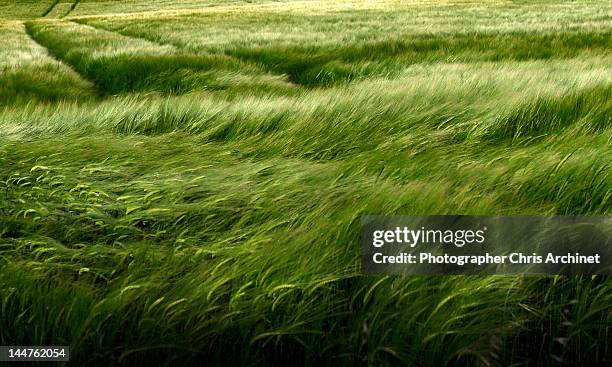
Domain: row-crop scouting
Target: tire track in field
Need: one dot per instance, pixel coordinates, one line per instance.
(175, 45)
(72, 7)
(49, 9)
(55, 57)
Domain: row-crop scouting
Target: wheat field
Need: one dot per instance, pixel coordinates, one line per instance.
(182, 182)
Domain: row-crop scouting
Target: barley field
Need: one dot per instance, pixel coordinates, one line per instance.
(182, 182)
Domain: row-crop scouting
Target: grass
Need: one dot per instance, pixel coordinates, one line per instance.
(198, 201)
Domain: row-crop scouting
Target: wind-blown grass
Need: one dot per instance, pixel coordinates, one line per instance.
(205, 207)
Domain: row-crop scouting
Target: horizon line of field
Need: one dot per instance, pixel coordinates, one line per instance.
(300, 67)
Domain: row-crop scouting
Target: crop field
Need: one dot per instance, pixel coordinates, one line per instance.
(182, 182)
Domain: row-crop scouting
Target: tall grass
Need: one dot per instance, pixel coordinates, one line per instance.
(205, 207)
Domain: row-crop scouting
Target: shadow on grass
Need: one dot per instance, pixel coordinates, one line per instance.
(328, 65)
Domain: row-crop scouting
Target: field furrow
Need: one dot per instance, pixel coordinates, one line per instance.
(28, 73)
(118, 63)
(60, 10)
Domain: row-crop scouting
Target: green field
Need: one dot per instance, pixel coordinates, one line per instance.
(182, 182)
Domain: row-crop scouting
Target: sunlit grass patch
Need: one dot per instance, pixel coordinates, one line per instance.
(59, 10)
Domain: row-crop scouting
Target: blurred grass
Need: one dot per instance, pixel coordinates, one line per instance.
(23, 9)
